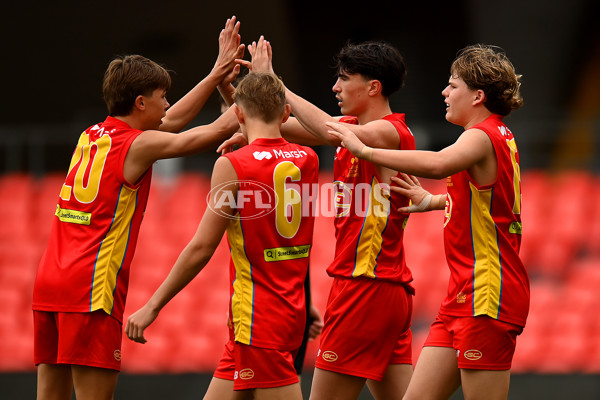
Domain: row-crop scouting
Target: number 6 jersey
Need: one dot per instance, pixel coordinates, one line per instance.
(94, 233)
(270, 238)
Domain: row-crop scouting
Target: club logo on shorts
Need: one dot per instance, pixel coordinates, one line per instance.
(329, 356)
(461, 298)
(473, 355)
(117, 355)
(246, 374)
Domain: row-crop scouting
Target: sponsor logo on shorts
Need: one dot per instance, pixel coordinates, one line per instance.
(117, 355)
(329, 356)
(472, 355)
(246, 374)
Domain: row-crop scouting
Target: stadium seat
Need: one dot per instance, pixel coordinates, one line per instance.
(536, 206)
(16, 209)
(591, 357)
(561, 249)
(419, 336)
(529, 352)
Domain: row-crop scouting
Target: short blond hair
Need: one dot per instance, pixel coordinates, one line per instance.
(261, 95)
(488, 68)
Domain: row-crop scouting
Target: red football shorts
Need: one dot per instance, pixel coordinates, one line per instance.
(90, 339)
(366, 328)
(252, 367)
(480, 342)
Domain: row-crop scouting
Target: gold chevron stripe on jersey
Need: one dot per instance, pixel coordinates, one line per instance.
(371, 233)
(487, 274)
(243, 286)
(112, 252)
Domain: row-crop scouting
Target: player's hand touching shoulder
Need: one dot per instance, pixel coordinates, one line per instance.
(376, 134)
(346, 137)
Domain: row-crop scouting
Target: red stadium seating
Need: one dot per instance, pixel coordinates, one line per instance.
(561, 249)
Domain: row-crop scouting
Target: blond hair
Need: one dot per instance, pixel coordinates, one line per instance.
(488, 68)
(261, 95)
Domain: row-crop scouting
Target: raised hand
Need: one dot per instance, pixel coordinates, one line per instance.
(230, 48)
(262, 55)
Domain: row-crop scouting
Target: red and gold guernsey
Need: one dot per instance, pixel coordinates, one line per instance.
(482, 238)
(94, 233)
(368, 227)
(270, 239)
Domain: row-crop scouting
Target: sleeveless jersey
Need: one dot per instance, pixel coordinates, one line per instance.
(369, 230)
(482, 238)
(270, 241)
(94, 233)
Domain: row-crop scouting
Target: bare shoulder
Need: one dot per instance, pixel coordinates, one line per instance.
(146, 140)
(223, 172)
(379, 133)
(476, 138)
(143, 152)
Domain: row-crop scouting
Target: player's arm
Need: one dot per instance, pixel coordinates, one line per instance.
(293, 131)
(151, 145)
(378, 133)
(186, 109)
(472, 148)
(226, 87)
(309, 125)
(194, 256)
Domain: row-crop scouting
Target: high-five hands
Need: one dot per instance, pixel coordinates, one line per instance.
(262, 56)
(230, 48)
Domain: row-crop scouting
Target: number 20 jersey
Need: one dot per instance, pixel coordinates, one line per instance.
(94, 233)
